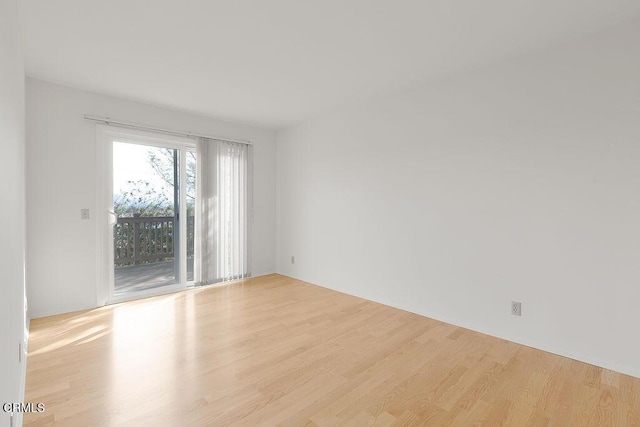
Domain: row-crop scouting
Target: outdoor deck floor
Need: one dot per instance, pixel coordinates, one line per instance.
(147, 276)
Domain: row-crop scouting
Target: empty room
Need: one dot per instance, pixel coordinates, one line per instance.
(320, 213)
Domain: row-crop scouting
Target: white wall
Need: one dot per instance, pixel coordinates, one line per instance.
(519, 181)
(12, 209)
(61, 179)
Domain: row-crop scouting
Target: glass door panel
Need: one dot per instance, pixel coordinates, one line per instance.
(190, 201)
(146, 234)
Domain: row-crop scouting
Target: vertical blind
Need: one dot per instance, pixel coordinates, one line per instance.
(223, 211)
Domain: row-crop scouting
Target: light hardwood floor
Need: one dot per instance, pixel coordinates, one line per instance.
(274, 350)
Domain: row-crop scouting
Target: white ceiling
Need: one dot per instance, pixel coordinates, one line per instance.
(273, 63)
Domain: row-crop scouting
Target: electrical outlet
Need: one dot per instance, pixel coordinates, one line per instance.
(293, 259)
(516, 308)
(84, 213)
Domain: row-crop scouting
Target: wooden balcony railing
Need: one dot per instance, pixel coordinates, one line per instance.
(141, 240)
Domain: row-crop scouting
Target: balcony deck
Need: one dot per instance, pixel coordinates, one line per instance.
(147, 276)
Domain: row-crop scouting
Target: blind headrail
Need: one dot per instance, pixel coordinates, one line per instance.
(109, 121)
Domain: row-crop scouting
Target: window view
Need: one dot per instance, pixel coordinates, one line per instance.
(146, 203)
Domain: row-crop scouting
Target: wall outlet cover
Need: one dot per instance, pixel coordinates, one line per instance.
(516, 308)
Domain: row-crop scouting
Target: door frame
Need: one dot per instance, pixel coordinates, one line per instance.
(105, 136)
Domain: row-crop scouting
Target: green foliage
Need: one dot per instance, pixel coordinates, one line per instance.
(141, 198)
(162, 163)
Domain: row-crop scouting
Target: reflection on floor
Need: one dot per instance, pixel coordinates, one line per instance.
(273, 350)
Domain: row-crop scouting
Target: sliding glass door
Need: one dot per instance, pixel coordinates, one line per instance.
(150, 195)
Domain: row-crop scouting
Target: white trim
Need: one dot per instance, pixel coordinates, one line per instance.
(162, 290)
(628, 370)
(105, 136)
(102, 218)
(634, 372)
(183, 215)
(190, 287)
(47, 313)
(141, 137)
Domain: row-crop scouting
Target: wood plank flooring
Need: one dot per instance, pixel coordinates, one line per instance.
(276, 351)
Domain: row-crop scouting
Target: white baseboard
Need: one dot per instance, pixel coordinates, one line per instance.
(571, 354)
(262, 274)
(54, 312)
(564, 352)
